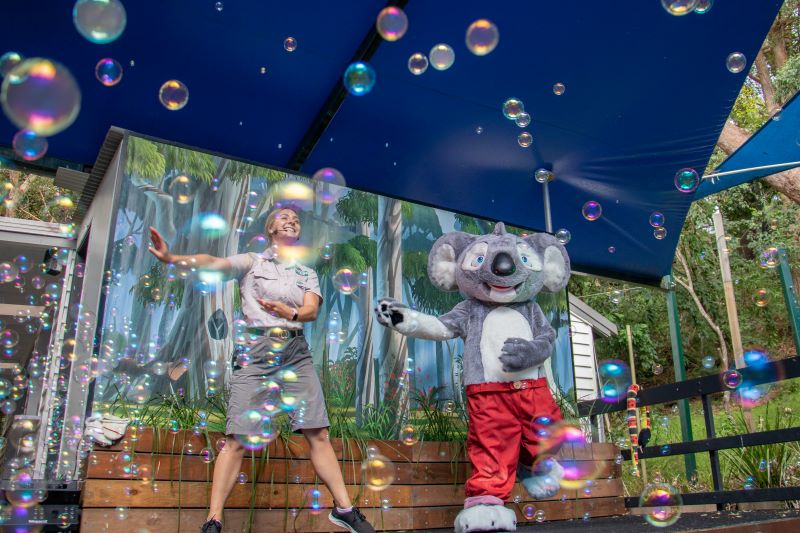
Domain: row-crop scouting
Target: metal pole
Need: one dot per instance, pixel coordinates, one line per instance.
(790, 297)
(680, 373)
(548, 220)
(713, 455)
(741, 170)
(727, 284)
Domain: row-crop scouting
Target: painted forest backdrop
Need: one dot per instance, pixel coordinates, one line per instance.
(168, 330)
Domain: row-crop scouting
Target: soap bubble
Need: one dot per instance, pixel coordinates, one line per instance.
(513, 108)
(559, 88)
(563, 236)
(687, 180)
(9, 338)
(182, 189)
(408, 435)
(708, 362)
(417, 63)
(108, 71)
(212, 225)
(293, 194)
(29, 146)
(760, 369)
(378, 472)
(611, 250)
(8, 272)
(482, 37)
(392, 23)
(576, 471)
(99, 21)
(660, 233)
(345, 281)
(736, 62)
(615, 378)
(41, 96)
(61, 207)
(761, 298)
(663, 504)
(219, 6)
(525, 139)
(359, 78)
(542, 175)
(679, 7)
(257, 244)
(523, 120)
(290, 44)
(8, 61)
(656, 219)
(173, 95)
(442, 56)
(703, 6)
(591, 210)
(539, 516)
(731, 378)
(207, 455)
(770, 258)
(528, 511)
(658, 370)
(328, 176)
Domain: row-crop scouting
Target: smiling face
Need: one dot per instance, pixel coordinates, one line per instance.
(283, 227)
(499, 269)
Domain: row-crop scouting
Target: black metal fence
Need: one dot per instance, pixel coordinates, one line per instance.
(704, 387)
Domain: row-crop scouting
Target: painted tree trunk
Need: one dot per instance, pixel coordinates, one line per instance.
(366, 392)
(391, 345)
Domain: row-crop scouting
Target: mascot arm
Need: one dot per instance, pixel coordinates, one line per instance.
(401, 318)
(519, 354)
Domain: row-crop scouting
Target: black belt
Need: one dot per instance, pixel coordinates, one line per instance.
(276, 333)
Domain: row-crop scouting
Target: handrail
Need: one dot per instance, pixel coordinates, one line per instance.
(720, 443)
(712, 384)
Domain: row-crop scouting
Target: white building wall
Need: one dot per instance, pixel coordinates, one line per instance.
(584, 359)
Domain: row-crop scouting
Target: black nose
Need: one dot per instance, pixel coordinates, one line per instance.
(503, 265)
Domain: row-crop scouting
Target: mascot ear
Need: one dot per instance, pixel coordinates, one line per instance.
(555, 260)
(443, 259)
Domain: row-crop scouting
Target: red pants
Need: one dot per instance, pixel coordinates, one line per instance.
(502, 432)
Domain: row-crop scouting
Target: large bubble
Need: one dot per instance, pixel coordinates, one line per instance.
(513, 108)
(663, 504)
(182, 189)
(293, 194)
(679, 7)
(378, 472)
(525, 139)
(345, 281)
(736, 62)
(173, 95)
(750, 392)
(656, 219)
(99, 21)
(482, 37)
(328, 176)
(212, 225)
(359, 78)
(770, 258)
(41, 95)
(442, 56)
(392, 23)
(28, 145)
(569, 438)
(615, 378)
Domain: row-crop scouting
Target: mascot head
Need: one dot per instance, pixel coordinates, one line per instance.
(499, 267)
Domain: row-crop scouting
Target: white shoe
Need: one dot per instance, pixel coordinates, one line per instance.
(114, 427)
(94, 431)
(486, 518)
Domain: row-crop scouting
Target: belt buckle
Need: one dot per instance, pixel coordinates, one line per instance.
(518, 385)
(279, 333)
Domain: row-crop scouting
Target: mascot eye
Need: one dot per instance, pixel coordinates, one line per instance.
(474, 257)
(528, 257)
(525, 259)
(478, 261)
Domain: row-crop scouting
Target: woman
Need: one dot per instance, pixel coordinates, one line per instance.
(277, 297)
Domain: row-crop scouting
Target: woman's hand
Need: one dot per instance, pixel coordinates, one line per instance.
(159, 246)
(277, 308)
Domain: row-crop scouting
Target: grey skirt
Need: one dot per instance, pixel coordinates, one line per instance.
(254, 387)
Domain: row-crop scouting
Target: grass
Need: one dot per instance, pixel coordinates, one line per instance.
(768, 466)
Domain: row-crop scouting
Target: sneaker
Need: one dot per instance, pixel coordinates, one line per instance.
(353, 521)
(212, 526)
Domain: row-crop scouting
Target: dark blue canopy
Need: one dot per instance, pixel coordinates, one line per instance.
(646, 94)
(777, 142)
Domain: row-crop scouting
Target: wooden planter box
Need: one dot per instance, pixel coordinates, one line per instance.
(170, 490)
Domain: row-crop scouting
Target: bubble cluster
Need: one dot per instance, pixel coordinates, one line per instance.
(687, 180)
(99, 21)
(173, 95)
(442, 56)
(41, 95)
(679, 7)
(392, 23)
(663, 504)
(736, 62)
(417, 63)
(482, 37)
(359, 78)
(615, 378)
(591, 210)
(108, 71)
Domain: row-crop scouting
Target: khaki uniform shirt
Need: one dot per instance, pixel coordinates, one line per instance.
(264, 276)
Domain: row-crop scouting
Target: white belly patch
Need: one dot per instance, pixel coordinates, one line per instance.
(501, 324)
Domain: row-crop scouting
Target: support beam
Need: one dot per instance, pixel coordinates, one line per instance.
(727, 285)
(680, 372)
(790, 296)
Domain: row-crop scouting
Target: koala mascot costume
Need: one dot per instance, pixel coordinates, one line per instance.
(506, 341)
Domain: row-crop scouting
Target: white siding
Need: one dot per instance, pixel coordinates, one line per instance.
(583, 359)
